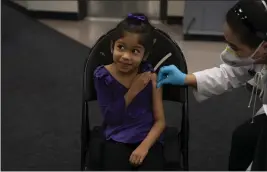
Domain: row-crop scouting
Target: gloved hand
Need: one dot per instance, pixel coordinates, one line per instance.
(170, 75)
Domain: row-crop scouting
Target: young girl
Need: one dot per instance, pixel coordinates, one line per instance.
(129, 100)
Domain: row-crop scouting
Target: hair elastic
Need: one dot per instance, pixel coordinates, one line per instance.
(143, 18)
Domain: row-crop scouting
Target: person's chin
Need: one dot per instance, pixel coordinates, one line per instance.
(124, 70)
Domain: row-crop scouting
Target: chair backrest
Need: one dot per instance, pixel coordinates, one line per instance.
(101, 54)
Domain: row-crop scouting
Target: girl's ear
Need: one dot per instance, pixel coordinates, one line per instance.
(111, 46)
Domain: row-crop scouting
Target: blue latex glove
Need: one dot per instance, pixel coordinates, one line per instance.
(170, 75)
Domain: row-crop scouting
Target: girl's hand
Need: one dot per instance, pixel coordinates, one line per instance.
(138, 155)
(140, 82)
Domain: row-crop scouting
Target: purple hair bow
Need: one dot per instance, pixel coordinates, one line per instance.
(143, 18)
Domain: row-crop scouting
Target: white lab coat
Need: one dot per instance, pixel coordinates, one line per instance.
(218, 80)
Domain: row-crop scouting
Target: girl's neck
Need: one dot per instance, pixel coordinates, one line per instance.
(123, 74)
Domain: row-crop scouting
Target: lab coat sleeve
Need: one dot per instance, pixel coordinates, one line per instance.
(218, 80)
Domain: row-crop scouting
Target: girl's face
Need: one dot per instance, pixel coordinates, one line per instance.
(128, 53)
(242, 50)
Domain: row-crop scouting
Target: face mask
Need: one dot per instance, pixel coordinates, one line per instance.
(228, 56)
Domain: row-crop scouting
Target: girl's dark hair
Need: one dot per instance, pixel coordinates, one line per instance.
(135, 23)
(254, 21)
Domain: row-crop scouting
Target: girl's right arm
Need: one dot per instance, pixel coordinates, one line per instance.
(112, 107)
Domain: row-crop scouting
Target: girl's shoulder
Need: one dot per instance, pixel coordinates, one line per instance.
(102, 73)
(146, 67)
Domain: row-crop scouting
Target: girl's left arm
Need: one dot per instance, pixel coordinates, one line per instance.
(138, 155)
(158, 111)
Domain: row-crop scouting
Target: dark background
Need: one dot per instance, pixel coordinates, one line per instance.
(41, 95)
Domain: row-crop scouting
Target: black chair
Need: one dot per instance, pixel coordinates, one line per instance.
(101, 54)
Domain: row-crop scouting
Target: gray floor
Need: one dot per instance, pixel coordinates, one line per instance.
(41, 94)
(199, 55)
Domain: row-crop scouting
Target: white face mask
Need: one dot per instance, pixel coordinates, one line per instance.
(229, 57)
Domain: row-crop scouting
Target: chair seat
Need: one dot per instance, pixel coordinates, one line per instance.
(94, 153)
(172, 149)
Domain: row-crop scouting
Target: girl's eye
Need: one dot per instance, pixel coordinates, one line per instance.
(135, 51)
(121, 47)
